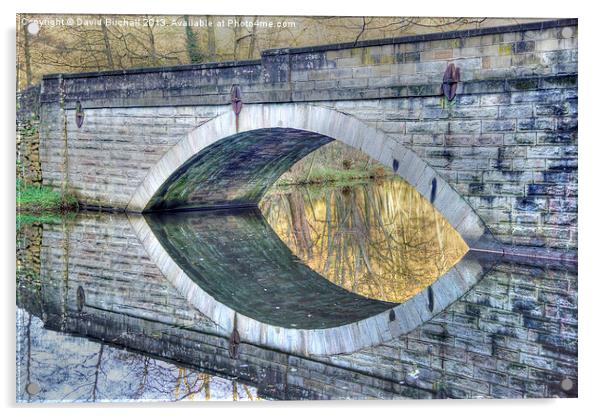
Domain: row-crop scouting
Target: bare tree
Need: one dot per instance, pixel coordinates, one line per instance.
(101, 46)
(26, 54)
(107, 42)
(192, 43)
(211, 39)
(253, 39)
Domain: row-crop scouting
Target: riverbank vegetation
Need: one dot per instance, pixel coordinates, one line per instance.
(37, 199)
(327, 175)
(334, 163)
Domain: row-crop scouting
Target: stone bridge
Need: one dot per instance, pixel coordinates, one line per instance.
(499, 161)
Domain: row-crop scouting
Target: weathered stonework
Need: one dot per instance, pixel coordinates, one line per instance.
(224, 172)
(29, 169)
(507, 143)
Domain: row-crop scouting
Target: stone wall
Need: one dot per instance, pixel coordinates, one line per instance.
(512, 155)
(29, 169)
(383, 68)
(507, 143)
(114, 149)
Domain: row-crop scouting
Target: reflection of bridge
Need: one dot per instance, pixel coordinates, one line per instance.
(513, 334)
(502, 155)
(239, 261)
(235, 270)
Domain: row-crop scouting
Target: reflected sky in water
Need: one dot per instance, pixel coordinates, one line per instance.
(382, 240)
(62, 368)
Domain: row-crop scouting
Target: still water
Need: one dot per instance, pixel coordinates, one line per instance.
(382, 240)
(96, 319)
(56, 367)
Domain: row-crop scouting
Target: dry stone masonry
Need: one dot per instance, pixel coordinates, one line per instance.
(29, 168)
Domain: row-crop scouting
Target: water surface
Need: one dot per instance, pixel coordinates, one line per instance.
(56, 367)
(97, 320)
(381, 239)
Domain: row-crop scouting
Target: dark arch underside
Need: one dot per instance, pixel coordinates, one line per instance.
(235, 171)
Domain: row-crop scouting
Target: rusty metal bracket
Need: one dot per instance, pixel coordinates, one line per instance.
(433, 190)
(234, 340)
(81, 299)
(451, 78)
(431, 298)
(233, 344)
(236, 99)
(79, 114)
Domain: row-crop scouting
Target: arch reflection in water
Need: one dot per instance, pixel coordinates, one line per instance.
(236, 270)
(238, 260)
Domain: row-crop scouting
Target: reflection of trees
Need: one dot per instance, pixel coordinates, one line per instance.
(70, 369)
(382, 240)
(299, 224)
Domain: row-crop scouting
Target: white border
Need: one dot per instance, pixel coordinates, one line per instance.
(590, 200)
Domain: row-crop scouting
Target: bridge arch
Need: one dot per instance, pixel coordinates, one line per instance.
(304, 123)
(381, 322)
(313, 123)
(318, 124)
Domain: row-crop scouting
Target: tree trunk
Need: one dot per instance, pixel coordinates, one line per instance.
(152, 45)
(97, 372)
(192, 44)
(236, 39)
(27, 56)
(300, 225)
(107, 42)
(252, 42)
(210, 39)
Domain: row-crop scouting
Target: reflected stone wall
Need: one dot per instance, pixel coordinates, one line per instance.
(101, 254)
(513, 335)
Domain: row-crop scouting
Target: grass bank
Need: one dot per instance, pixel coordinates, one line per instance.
(34, 199)
(324, 175)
